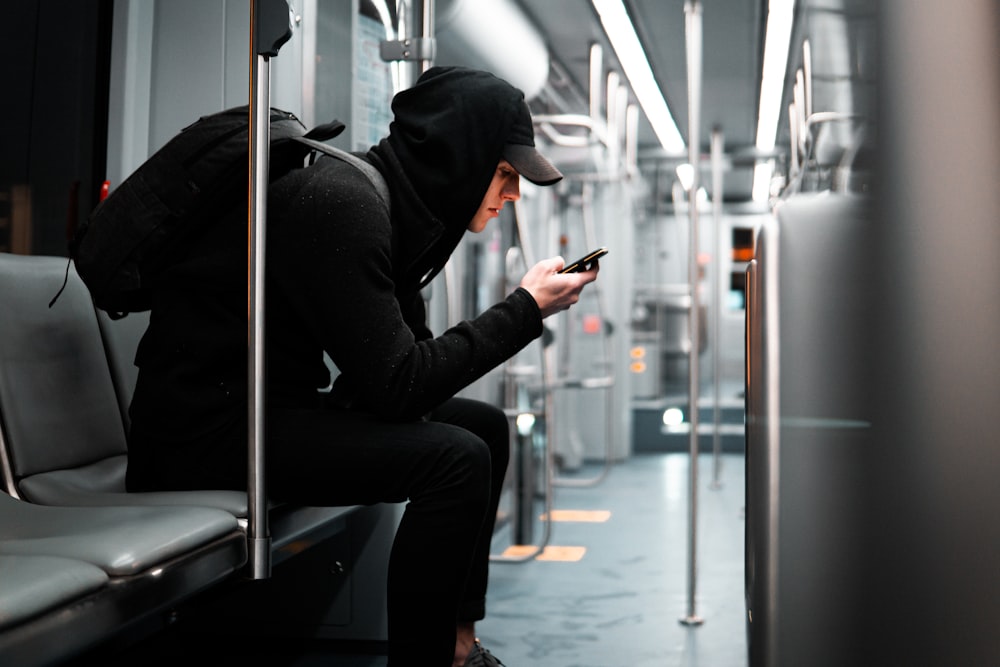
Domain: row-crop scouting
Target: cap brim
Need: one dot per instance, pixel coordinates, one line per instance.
(531, 164)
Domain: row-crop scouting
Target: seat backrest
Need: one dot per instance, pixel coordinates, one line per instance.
(58, 406)
(64, 393)
(121, 340)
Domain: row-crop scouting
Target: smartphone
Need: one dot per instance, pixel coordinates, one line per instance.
(583, 264)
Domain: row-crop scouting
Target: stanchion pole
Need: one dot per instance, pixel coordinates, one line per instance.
(692, 11)
(269, 29)
(717, 305)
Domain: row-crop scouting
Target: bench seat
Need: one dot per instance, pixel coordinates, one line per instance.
(66, 379)
(71, 577)
(31, 585)
(67, 374)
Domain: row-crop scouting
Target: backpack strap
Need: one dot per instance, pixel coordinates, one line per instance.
(373, 174)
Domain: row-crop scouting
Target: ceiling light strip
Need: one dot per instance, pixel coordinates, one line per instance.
(624, 40)
(776, 45)
(772, 82)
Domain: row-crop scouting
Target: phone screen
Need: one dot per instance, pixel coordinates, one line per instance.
(583, 264)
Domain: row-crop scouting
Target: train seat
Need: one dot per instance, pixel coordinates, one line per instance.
(73, 577)
(63, 436)
(34, 584)
(66, 377)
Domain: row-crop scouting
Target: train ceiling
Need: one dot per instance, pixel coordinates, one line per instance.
(732, 54)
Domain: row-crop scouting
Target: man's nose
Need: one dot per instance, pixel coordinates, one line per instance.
(512, 191)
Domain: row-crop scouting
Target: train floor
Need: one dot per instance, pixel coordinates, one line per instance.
(612, 588)
(621, 604)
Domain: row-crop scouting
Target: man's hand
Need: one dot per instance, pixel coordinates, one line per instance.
(554, 291)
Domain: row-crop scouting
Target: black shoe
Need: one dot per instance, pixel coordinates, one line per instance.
(480, 657)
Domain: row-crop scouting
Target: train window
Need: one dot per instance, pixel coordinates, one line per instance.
(347, 50)
(54, 160)
(742, 244)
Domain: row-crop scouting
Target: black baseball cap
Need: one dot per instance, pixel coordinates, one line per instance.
(520, 151)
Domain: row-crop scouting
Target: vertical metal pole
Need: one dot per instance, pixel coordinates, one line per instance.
(426, 10)
(692, 11)
(717, 148)
(258, 537)
(269, 29)
(611, 115)
(548, 411)
(596, 88)
(415, 19)
(590, 236)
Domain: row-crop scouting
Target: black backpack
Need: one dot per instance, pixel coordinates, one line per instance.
(144, 224)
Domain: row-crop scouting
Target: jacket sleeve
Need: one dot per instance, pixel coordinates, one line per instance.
(418, 375)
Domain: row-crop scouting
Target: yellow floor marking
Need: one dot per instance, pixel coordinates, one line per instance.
(518, 550)
(551, 553)
(580, 516)
(562, 554)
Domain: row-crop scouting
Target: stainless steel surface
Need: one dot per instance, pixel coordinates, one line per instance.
(692, 11)
(842, 64)
(718, 299)
(258, 539)
(762, 452)
(424, 9)
(547, 365)
(606, 382)
(932, 569)
(257, 533)
(809, 435)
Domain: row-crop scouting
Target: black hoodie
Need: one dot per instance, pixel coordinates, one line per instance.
(344, 276)
(442, 151)
(448, 135)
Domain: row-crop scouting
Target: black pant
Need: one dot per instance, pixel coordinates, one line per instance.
(450, 468)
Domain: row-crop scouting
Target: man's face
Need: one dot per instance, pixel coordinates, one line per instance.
(505, 186)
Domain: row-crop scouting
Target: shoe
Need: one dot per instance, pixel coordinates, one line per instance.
(480, 657)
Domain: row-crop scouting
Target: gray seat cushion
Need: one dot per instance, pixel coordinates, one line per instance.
(103, 483)
(119, 540)
(32, 585)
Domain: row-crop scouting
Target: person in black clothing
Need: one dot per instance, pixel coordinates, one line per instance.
(344, 276)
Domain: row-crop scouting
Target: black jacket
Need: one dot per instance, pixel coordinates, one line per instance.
(344, 276)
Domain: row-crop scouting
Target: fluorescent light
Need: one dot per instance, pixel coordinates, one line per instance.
(673, 417)
(772, 85)
(762, 173)
(685, 174)
(525, 422)
(772, 82)
(625, 42)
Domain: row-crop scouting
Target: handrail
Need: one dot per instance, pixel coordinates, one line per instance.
(528, 256)
(809, 143)
(548, 123)
(603, 382)
(549, 463)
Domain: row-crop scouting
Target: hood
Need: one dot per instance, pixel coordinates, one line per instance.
(448, 133)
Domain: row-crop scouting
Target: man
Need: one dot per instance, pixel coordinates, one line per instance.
(344, 276)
